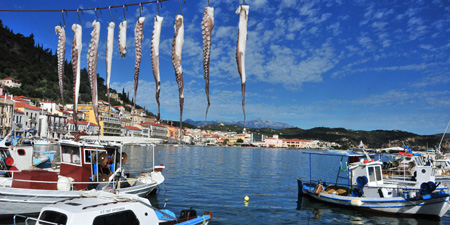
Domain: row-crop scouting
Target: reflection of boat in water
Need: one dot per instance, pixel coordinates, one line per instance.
(362, 187)
(107, 208)
(83, 166)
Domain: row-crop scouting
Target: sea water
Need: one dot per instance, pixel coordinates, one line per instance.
(217, 179)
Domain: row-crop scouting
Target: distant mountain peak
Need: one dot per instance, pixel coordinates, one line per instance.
(257, 123)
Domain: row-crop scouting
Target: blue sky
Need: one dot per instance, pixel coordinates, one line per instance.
(361, 65)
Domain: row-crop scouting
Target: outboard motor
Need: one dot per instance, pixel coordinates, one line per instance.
(188, 213)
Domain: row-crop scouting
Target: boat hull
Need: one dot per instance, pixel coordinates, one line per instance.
(433, 207)
(30, 201)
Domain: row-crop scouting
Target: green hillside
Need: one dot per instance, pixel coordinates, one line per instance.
(36, 68)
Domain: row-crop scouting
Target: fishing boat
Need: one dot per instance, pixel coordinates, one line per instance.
(84, 166)
(360, 185)
(106, 208)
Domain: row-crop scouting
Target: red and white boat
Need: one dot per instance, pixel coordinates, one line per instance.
(84, 166)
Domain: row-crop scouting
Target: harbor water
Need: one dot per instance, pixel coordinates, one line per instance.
(217, 179)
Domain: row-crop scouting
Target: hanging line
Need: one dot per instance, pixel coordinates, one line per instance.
(96, 16)
(64, 22)
(75, 10)
(157, 6)
(79, 15)
(111, 14)
(179, 3)
(209, 5)
(140, 5)
(124, 17)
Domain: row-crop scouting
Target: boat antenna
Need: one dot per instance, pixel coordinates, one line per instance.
(443, 135)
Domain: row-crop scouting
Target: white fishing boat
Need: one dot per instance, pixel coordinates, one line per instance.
(100, 208)
(83, 167)
(363, 187)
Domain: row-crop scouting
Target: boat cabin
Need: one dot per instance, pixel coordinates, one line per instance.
(81, 164)
(106, 208)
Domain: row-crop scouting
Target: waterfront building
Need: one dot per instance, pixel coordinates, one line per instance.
(10, 82)
(6, 111)
(295, 143)
(19, 122)
(48, 106)
(31, 118)
(131, 131)
(108, 121)
(154, 130)
(93, 128)
(53, 126)
(274, 142)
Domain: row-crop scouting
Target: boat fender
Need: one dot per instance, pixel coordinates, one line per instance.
(64, 183)
(357, 192)
(356, 202)
(361, 181)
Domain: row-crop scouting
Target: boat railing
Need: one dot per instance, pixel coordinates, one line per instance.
(35, 220)
(116, 182)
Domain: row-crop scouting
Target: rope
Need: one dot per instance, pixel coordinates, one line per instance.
(74, 10)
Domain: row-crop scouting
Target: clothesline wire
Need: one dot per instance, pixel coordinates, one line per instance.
(74, 10)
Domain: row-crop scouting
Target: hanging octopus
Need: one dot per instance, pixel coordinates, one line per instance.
(123, 38)
(76, 53)
(109, 52)
(138, 37)
(92, 58)
(61, 52)
(240, 50)
(155, 57)
(207, 26)
(177, 46)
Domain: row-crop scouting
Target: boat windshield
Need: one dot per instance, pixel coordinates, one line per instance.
(53, 217)
(374, 173)
(70, 154)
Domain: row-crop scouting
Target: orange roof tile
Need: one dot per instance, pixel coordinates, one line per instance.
(26, 106)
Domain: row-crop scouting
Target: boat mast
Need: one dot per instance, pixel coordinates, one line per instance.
(439, 149)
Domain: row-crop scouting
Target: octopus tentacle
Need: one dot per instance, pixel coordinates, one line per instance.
(155, 57)
(123, 38)
(61, 52)
(207, 26)
(240, 50)
(92, 59)
(109, 52)
(138, 37)
(177, 47)
(76, 53)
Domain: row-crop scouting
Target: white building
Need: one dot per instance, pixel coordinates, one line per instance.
(10, 82)
(49, 106)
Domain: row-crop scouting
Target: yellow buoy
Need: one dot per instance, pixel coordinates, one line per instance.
(246, 198)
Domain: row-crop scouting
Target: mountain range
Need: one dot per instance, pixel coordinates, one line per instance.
(258, 123)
